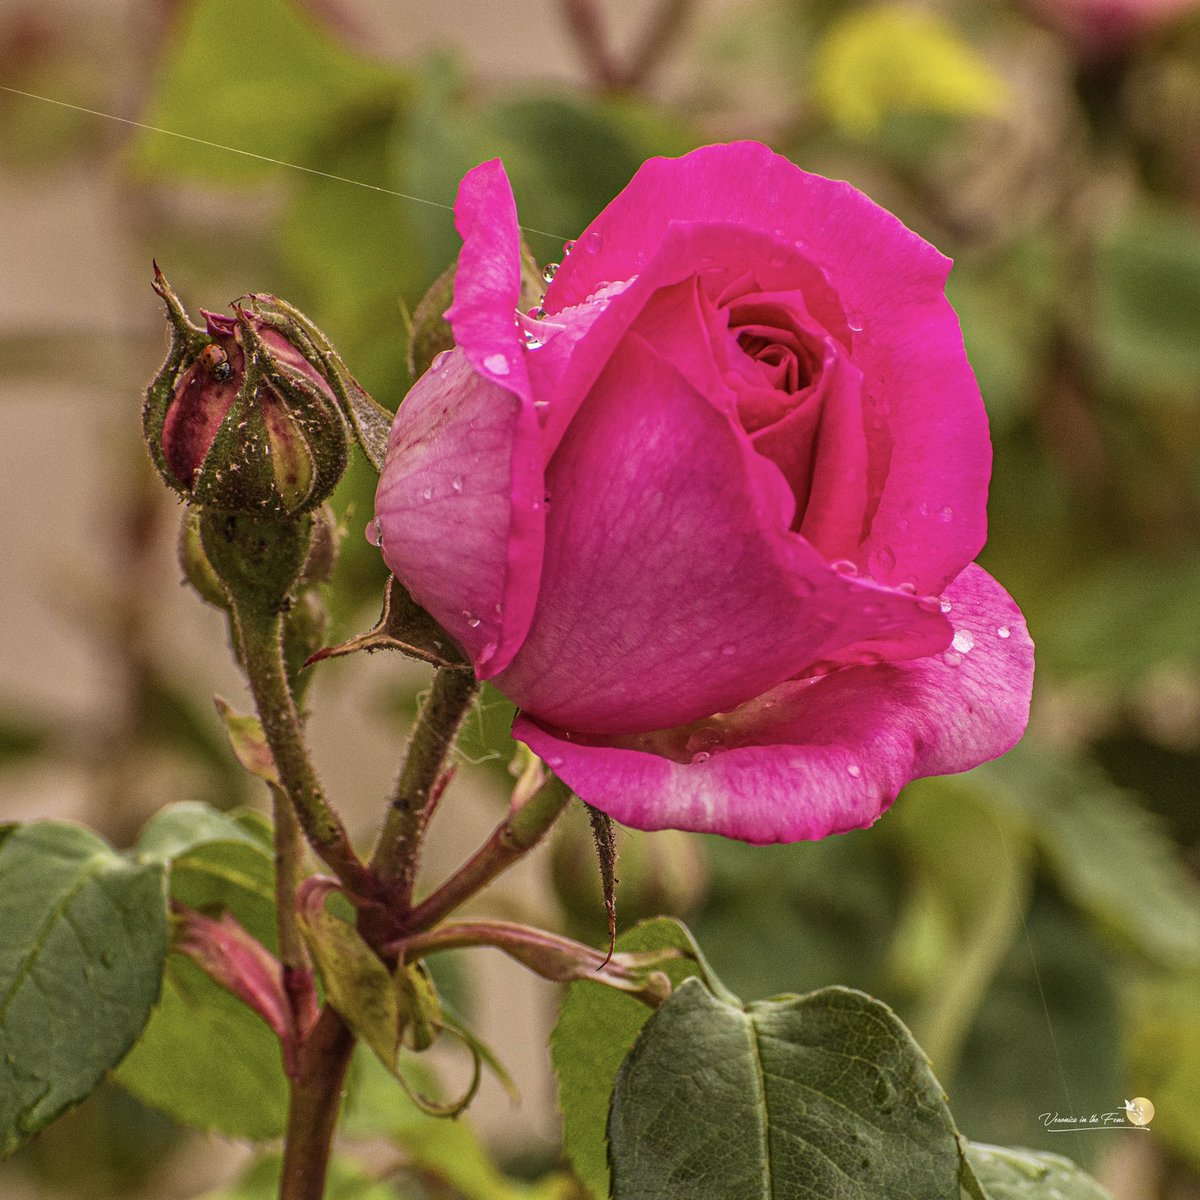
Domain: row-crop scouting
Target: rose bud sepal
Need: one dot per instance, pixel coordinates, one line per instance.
(369, 421)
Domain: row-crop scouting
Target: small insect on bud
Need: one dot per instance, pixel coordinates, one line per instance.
(240, 418)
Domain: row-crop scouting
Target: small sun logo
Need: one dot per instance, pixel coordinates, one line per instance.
(1139, 1111)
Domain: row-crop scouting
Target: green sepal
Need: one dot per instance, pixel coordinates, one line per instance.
(369, 421)
(430, 333)
(187, 341)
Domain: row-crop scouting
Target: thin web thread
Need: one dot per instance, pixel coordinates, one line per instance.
(278, 162)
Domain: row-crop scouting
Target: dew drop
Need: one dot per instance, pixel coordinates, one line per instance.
(1004, 632)
(854, 771)
(439, 362)
(907, 587)
(881, 561)
(568, 247)
(843, 566)
(427, 494)
(855, 321)
(930, 604)
(554, 762)
(946, 514)
(536, 313)
(457, 483)
(471, 619)
(498, 608)
(532, 341)
(594, 243)
(952, 658)
(701, 756)
(375, 532)
(964, 641)
(549, 271)
(944, 604)
(496, 363)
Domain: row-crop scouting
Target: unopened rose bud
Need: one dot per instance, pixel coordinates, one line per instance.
(240, 420)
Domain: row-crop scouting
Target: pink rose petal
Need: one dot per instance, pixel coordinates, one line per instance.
(813, 758)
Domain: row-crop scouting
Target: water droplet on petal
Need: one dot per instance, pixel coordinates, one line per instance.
(499, 608)
(439, 362)
(471, 619)
(375, 532)
(1004, 631)
(854, 771)
(594, 243)
(554, 762)
(496, 363)
(843, 566)
(881, 561)
(952, 658)
(946, 514)
(427, 494)
(945, 604)
(549, 271)
(532, 341)
(536, 313)
(701, 756)
(930, 604)
(964, 641)
(907, 587)
(568, 247)
(457, 483)
(855, 321)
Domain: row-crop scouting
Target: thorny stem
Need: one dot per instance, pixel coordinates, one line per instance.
(259, 633)
(293, 953)
(313, 1105)
(397, 853)
(517, 834)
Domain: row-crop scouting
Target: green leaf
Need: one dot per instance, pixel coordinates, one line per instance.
(1108, 855)
(216, 861)
(1164, 1056)
(1149, 296)
(208, 1060)
(818, 1095)
(970, 883)
(346, 1181)
(596, 1027)
(878, 61)
(1004, 1174)
(249, 742)
(83, 936)
(258, 77)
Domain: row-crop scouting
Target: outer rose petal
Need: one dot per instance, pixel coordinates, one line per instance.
(459, 502)
(672, 586)
(931, 516)
(459, 507)
(811, 759)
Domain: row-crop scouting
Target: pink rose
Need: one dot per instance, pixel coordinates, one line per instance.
(1099, 28)
(710, 522)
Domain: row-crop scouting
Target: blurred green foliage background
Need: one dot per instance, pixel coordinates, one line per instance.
(1037, 922)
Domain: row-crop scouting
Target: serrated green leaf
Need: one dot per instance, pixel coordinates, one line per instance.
(248, 741)
(1007, 1174)
(208, 1060)
(596, 1027)
(875, 62)
(1108, 855)
(216, 861)
(83, 937)
(822, 1095)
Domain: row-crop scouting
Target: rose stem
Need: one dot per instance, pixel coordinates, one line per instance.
(667, 24)
(293, 953)
(260, 637)
(584, 23)
(313, 1106)
(398, 850)
(517, 834)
